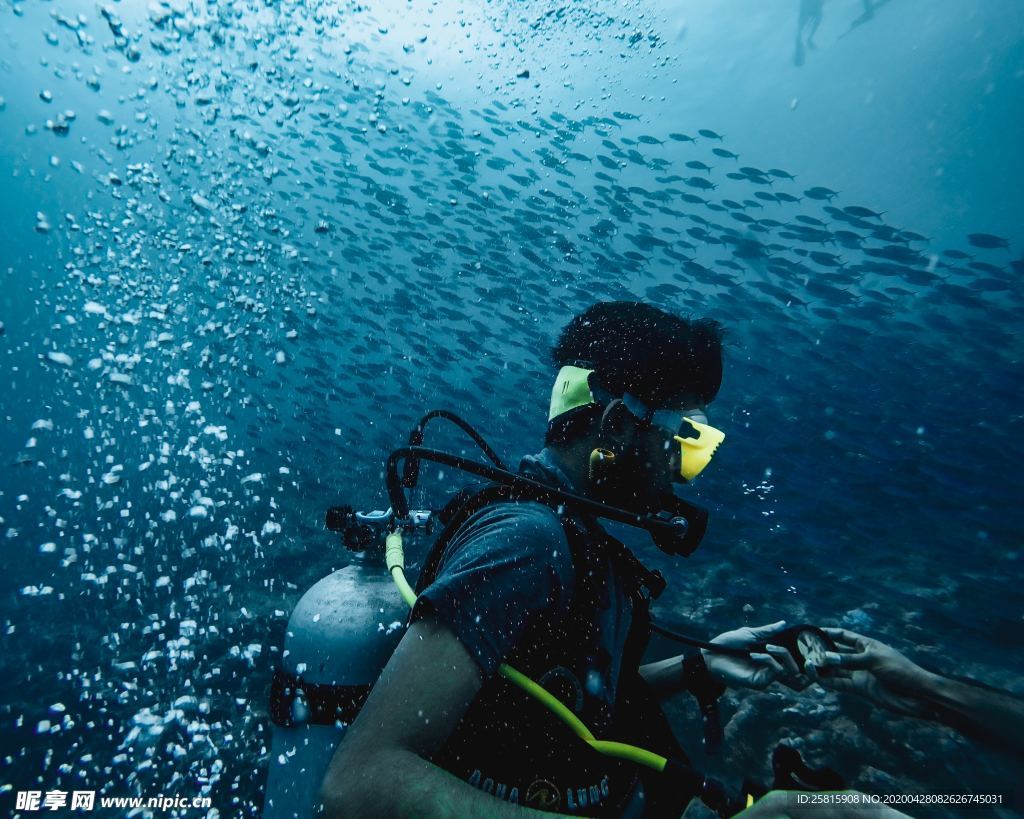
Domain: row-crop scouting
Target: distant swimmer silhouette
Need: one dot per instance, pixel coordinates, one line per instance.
(807, 23)
(870, 7)
(809, 19)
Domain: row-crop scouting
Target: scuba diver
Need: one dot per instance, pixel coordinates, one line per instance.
(518, 685)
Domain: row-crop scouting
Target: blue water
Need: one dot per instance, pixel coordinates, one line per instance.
(245, 245)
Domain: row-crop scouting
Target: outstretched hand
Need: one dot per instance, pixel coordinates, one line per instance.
(761, 668)
(873, 670)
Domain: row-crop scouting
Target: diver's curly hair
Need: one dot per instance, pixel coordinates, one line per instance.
(661, 358)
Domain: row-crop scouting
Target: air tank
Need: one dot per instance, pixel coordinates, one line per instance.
(341, 633)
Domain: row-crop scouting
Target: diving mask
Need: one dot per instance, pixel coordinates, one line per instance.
(697, 439)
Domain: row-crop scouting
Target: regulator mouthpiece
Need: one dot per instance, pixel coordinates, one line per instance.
(602, 461)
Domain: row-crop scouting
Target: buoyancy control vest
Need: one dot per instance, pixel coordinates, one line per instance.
(509, 745)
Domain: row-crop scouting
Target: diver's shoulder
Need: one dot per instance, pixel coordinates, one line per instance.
(527, 515)
(517, 532)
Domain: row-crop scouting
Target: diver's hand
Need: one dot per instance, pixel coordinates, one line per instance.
(873, 670)
(760, 669)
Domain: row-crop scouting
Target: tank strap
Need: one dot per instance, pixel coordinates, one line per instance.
(293, 701)
(455, 513)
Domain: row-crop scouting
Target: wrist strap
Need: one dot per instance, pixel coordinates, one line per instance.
(697, 679)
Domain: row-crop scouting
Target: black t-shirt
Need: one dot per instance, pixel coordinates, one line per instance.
(506, 569)
(508, 588)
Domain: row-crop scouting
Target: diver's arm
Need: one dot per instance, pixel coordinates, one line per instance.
(665, 677)
(380, 768)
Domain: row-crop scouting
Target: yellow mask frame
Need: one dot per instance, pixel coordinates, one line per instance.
(696, 453)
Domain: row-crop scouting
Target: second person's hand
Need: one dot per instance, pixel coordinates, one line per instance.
(873, 670)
